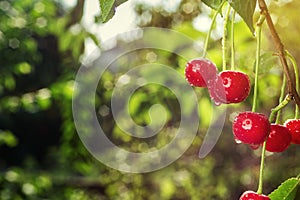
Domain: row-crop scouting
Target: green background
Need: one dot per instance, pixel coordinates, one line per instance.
(41, 156)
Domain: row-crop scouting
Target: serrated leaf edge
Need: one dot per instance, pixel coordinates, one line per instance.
(284, 183)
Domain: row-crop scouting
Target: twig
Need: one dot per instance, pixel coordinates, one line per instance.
(281, 51)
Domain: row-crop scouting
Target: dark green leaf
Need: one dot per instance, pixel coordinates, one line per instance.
(214, 4)
(245, 9)
(286, 191)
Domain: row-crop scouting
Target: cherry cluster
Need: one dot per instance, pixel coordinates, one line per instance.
(254, 128)
(225, 87)
(248, 127)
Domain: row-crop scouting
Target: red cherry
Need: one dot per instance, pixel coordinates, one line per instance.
(294, 127)
(279, 138)
(250, 195)
(231, 86)
(200, 72)
(213, 95)
(251, 128)
(254, 146)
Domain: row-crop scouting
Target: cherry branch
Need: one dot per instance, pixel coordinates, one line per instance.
(281, 51)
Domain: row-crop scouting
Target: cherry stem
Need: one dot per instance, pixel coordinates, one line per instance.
(232, 41)
(211, 28)
(224, 38)
(272, 116)
(257, 63)
(282, 92)
(281, 51)
(255, 96)
(261, 170)
(280, 106)
(296, 71)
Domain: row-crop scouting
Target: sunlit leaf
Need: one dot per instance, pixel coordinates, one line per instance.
(245, 9)
(108, 8)
(286, 191)
(214, 4)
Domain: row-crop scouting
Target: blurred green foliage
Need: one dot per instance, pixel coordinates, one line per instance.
(42, 157)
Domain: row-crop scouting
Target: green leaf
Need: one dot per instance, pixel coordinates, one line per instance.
(214, 4)
(119, 2)
(245, 8)
(108, 8)
(286, 191)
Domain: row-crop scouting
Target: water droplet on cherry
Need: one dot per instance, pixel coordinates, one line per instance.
(247, 124)
(237, 141)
